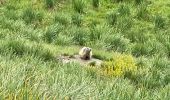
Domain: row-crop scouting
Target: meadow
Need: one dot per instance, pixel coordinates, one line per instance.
(132, 37)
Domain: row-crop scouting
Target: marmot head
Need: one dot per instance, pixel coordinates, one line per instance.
(86, 50)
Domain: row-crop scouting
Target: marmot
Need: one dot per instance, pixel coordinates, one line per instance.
(85, 53)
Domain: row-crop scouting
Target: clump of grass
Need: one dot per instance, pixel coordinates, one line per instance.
(138, 2)
(49, 3)
(117, 42)
(38, 51)
(149, 48)
(159, 22)
(94, 23)
(96, 32)
(11, 14)
(160, 63)
(16, 47)
(120, 65)
(80, 37)
(123, 10)
(120, 19)
(142, 12)
(140, 49)
(28, 15)
(142, 62)
(2, 35)
(154, 74)
(63, 40)
(95, 3)
(91, 71)
(78, 5)
(39, 16)
(77, 19)
(62, 18)
(124, 24)
(112, 18)
(20, 48)
(50, 36)
(11, 7)
(156, 48)
(139, 36)
(51, 33)
(44, 54)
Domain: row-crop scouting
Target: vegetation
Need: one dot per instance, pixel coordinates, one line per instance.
(132, 37)
(119, 66)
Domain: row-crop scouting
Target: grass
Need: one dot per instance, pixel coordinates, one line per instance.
(78, 5)
(129, 34)
(95, 3)
(159, 22)
(77, 19)
(112, 18)
(51, 33)
(49, 3)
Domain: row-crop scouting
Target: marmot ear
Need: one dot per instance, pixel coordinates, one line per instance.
(90, 49)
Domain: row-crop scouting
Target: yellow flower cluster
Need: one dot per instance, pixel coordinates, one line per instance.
(119, 65)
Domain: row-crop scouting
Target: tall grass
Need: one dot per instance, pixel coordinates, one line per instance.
(15, 47)
(95, 3)
(123, 10)
(49, 3)
(112, 18)
(52, 33)
(20, 48)
(138, 2)
(77, 19)
(117, 43)
(30, 15)
(97, 32)
(159, 22)
(78, 5)
(62, 18)
(80, 37)
(59, 81)
(11, 14)
(142, 12)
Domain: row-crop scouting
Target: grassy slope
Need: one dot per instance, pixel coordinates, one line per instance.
(27, 51)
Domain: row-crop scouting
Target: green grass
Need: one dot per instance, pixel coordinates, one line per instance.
(78, 5)
(49, 3)
(95, 3)
(33, 33)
